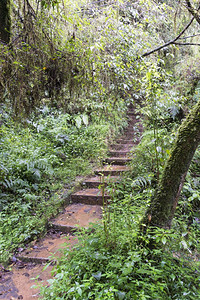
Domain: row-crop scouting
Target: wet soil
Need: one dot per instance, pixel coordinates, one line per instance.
(19, 283)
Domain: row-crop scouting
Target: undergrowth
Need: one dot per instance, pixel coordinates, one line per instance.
(119, 262)
(39, 161)
(116, 260)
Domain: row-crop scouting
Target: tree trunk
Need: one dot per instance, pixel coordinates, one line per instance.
(166, 196)
(5, 21)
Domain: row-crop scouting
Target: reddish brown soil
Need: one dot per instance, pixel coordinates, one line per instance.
(79, 215)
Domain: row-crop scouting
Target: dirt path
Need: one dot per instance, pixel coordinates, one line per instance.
(85, 208)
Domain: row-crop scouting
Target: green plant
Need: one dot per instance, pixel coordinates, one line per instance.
(116, 261)
(37, 160)
(114, 266)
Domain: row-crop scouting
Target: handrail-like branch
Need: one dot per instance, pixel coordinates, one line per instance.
(189, 36)
(187, 44)
(170, 42)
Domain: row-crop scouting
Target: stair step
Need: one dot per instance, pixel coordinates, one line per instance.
(131, 112)
(76, 216)
(89, 196)
(125, 142)
(118, 160)
(122, 146)
(19, 281)
(119, 153)
(41, 251)
(96, 181)
(129, 129)
(67, 229)
(111, 170)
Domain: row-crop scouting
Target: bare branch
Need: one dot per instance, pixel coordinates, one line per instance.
(170, 42)
(190, 36)
(187, 44)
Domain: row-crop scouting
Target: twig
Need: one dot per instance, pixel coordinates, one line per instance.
(190, 36)
(187, 44)
(170, 42)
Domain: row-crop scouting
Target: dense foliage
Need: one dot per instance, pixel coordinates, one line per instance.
(39, 163)
(118, 261)
(67, 77)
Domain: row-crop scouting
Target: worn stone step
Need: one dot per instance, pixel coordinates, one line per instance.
(41, 251)
(89, 196)
(131, 112)
(119, 153)
(96, 181)
(124, 141)
(111, 170)
(17, 283)
(130, 125)
(128, 139)
(128, 135)
(76, 216)
(129, 129)
(117, 160)
(121, 146)
(132, 119)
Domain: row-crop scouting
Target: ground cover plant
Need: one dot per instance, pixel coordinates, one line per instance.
(118, 261)
(39, 163)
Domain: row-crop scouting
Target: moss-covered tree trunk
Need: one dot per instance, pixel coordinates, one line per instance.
(166, 196)
(5, 21)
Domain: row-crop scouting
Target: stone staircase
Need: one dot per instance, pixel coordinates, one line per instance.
(85, 208)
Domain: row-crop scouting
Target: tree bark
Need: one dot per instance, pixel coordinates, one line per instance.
(193, 11)
(5, 21)
(166, 196)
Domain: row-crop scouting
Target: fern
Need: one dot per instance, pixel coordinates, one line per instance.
(141, 183)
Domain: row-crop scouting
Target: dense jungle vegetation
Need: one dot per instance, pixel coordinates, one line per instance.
(69, 70)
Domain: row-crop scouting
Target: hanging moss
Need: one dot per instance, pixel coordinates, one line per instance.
(5, 21)
(165, 199)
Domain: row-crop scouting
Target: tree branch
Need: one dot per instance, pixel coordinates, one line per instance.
(186, 44)
(170, 42)
(193, 11)
(190, 36)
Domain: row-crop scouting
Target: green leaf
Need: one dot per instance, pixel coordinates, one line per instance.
(85, 120)
(163, 240)
(121, 295)
(184, 244)
(97, 275)
(79, 290)
(78, 121)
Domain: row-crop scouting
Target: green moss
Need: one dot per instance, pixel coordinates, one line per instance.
(166, 196)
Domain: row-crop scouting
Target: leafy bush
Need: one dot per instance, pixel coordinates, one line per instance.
(117, 261)
(37, 160)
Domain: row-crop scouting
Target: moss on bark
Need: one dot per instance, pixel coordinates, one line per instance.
(166, 196)
(5, 21)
